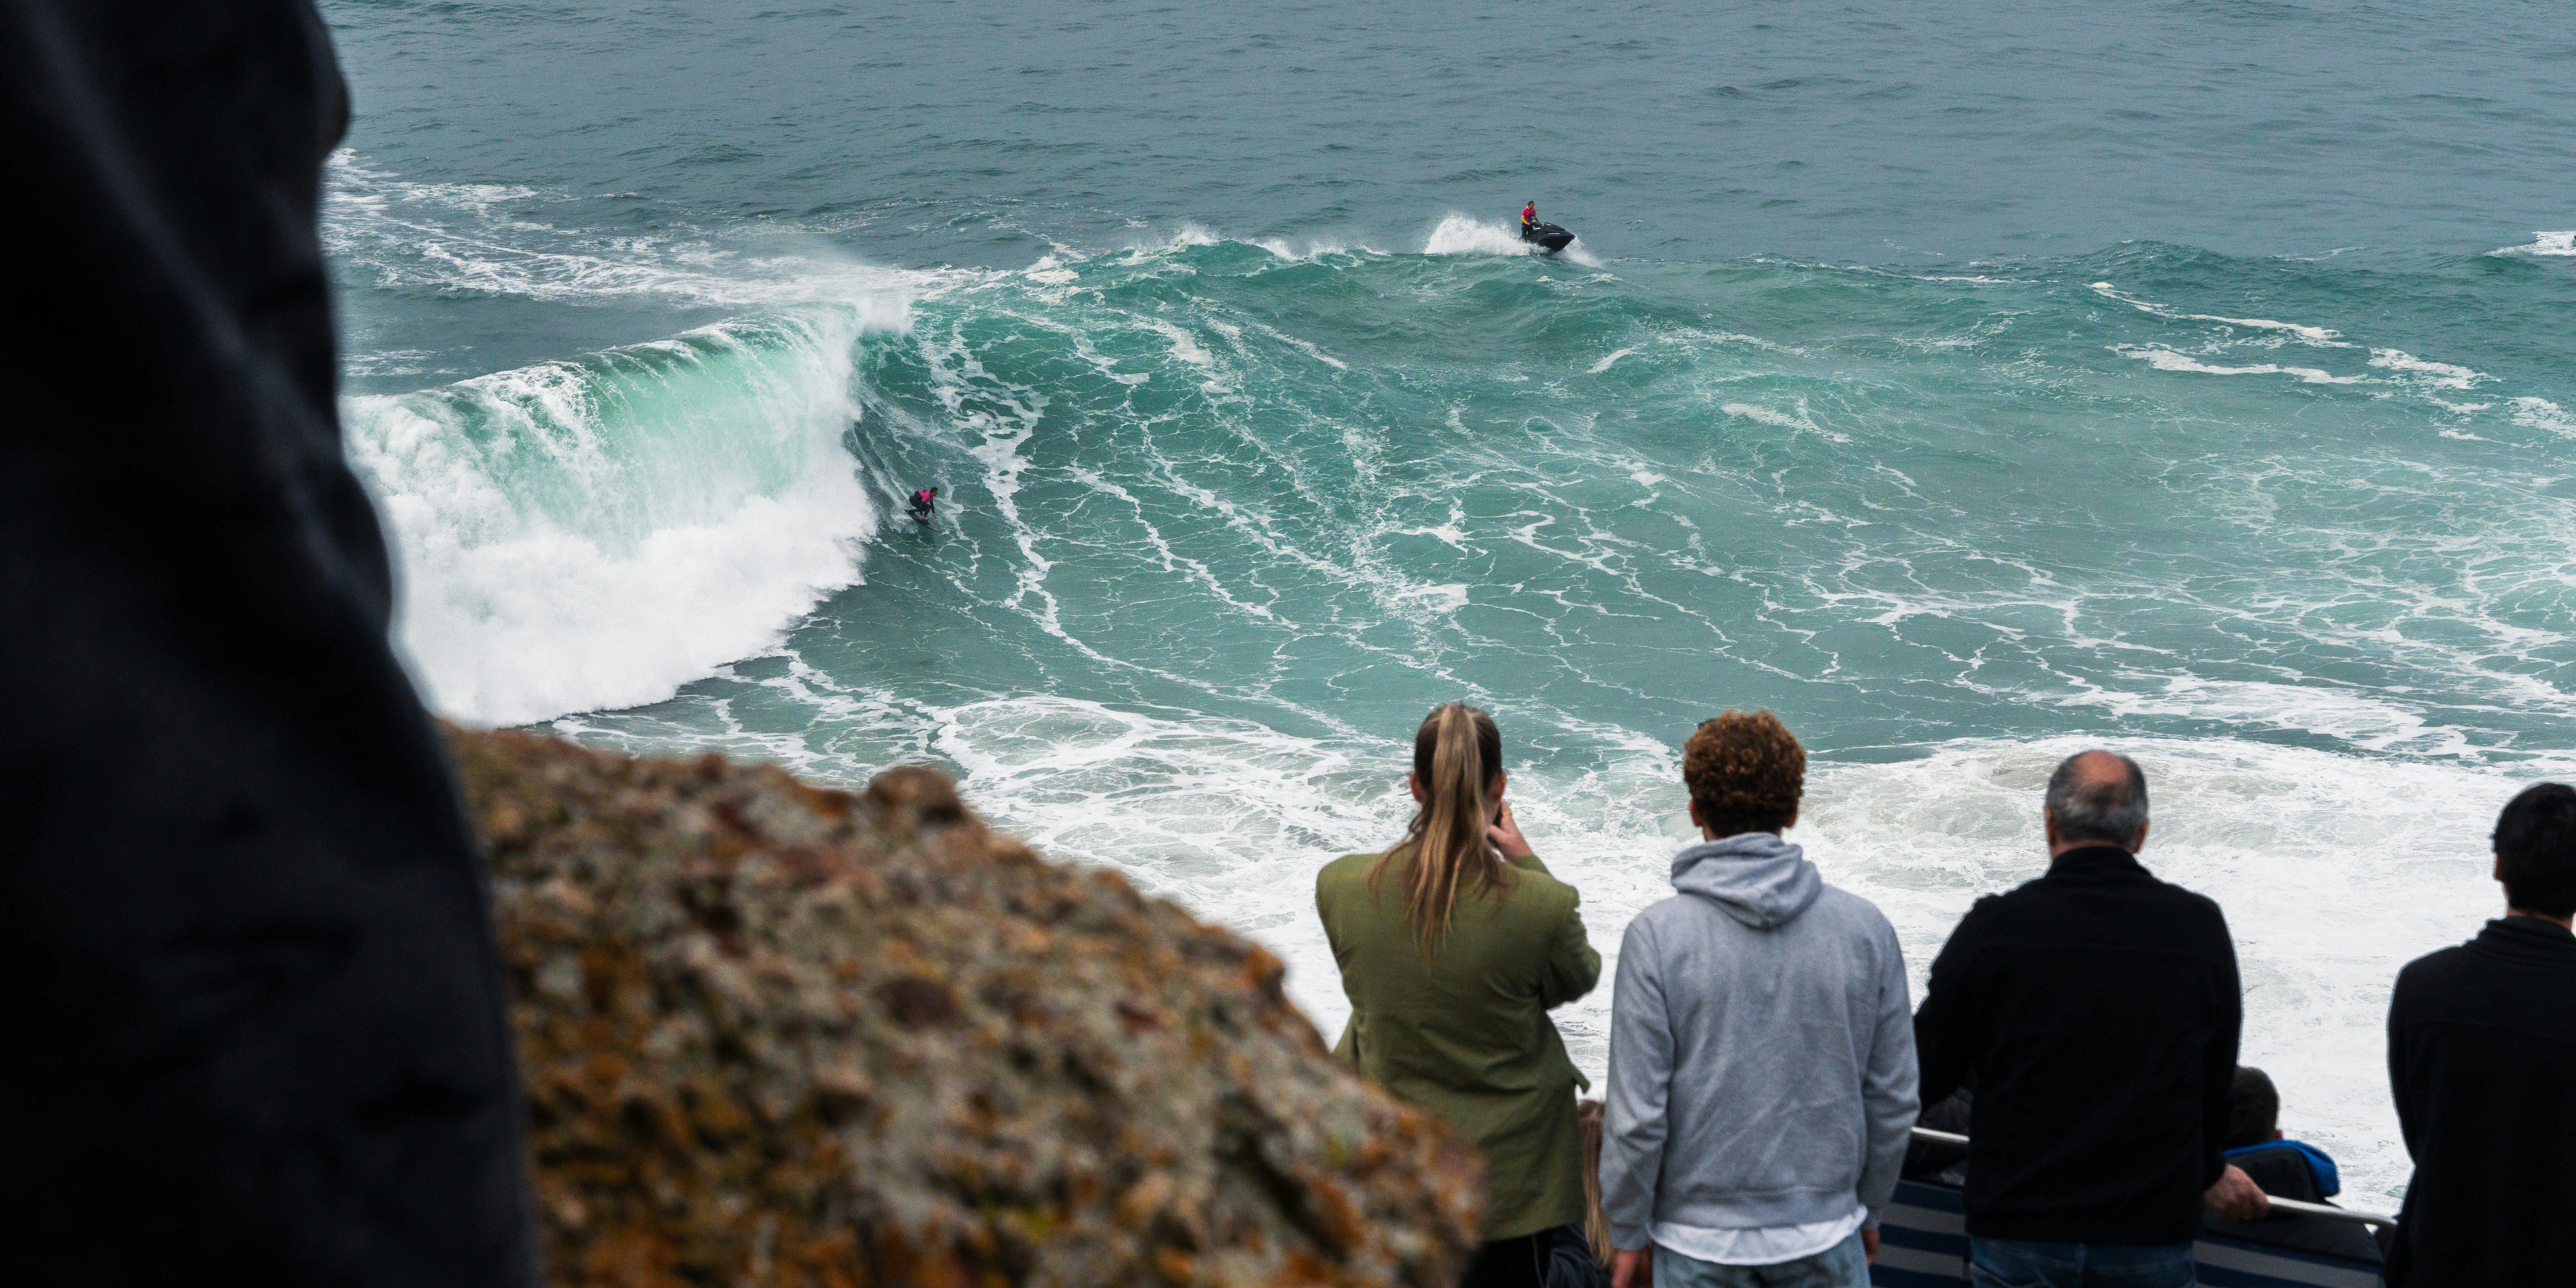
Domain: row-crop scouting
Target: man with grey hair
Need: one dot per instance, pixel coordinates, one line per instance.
(2096, 1012)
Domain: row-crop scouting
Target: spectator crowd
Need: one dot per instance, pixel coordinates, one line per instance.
(1767, 1066)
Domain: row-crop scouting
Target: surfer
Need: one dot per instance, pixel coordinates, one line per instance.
(922, 501)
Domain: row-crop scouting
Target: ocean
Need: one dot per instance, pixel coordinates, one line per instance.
(1967, 384)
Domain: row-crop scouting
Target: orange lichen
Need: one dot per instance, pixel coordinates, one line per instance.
(780, 1036)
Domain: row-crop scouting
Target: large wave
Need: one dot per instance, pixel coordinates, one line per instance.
(595, 532)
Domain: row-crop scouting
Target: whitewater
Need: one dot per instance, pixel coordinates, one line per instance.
(1964, 424)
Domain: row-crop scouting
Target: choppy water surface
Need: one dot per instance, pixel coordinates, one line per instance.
(1968, 389)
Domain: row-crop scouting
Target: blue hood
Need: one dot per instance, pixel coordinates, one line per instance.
(2321, 1168)
(1756, 877)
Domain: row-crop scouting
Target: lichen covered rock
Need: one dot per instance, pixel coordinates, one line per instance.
(776, 1035)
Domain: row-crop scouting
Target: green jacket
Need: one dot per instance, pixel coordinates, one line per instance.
(1465, 1033)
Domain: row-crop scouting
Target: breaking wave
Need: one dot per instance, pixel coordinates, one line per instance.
(595, 532)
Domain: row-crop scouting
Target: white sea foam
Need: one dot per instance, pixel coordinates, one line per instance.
(2352, 717)
(2395, 367)
(2438, 374)
(1467, 235)
(594, 533)
(1446, 598)
(2315, 335)
(2165, 359)
(2540, 413)
(1310, 249)
(2543, 244)
(1782, 420)
(1184, 345)
(1307, 347)
(2399, 368)
(1604, 364)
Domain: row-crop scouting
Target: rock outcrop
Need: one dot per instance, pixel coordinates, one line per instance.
(777, 1035)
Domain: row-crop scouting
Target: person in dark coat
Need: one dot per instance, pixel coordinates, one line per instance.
(256, 1025)
(2097, 1010)
(2482, 1064)
(1942, 1162)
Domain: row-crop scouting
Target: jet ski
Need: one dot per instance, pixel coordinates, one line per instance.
(1549, 238)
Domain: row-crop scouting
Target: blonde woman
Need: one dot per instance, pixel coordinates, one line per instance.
(1454, 945)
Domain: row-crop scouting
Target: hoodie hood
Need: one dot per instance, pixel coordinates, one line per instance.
(1756, 877)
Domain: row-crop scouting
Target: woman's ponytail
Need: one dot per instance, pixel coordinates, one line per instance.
(1446, 850)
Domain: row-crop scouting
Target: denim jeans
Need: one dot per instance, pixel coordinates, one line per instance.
(1843, 1265)
(2014, 1263)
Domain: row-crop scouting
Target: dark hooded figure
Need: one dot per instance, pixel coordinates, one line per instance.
(255, 1024)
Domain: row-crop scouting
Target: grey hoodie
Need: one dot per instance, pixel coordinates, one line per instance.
(1761, 1050)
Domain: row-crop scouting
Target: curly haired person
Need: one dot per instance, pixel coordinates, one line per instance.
(1762, 1072)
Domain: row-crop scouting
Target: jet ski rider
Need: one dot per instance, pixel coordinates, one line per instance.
(1529, 219)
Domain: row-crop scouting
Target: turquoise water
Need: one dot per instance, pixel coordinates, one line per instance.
(1967, 389)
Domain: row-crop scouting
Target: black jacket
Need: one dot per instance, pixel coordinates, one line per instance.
(2096, 1011)
(255, 1026)
(2482, 1061)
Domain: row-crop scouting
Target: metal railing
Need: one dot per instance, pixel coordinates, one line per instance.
(2326, 1210)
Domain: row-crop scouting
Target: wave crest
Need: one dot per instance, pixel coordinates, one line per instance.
(595, 532)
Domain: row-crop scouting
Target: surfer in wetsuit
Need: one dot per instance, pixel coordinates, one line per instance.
(921, 503)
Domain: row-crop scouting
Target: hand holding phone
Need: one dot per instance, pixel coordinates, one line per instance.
(1506, 833)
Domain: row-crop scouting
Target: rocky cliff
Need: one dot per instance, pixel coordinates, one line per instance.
(776, 1035)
